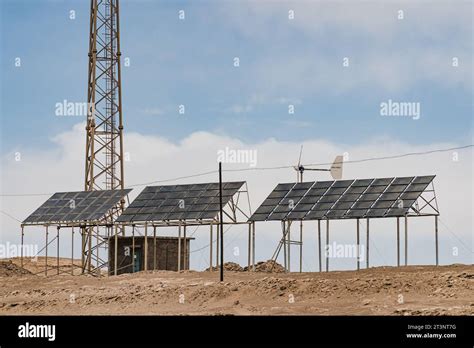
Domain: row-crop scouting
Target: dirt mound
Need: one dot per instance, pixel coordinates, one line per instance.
(268, 266)
(228, 266)
(8, 269)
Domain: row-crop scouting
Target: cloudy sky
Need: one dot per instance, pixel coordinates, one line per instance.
(333, 63)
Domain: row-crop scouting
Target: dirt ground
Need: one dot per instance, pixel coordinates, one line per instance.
(412, 290)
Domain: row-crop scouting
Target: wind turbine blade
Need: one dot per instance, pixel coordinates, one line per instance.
(301, 153)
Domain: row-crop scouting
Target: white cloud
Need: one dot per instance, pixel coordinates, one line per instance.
(155, 158)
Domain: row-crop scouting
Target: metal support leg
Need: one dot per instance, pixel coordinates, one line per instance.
(358, 245)
(249, 248)
(133, 248)
(210, 248)
(301, 246)
(57, 251)
(22, 238)
(154, 248)
(436, 239)
(406, 241)
(319, 246)
(253, 246)
(289, 246)
(146, 247)
(115, 250)
(89, 257)
(185, 248)
(398, 241)
(367, 251)
(83, 249)
(327, 246)
(283, 224)
(72, 250)
(179, 248)
(46, 252)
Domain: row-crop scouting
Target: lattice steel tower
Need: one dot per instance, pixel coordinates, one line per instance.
(104, 143)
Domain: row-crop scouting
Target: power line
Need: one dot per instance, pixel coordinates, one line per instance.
(10, 216)
(268, 168)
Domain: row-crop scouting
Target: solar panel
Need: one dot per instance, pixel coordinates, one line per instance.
(341, 199)
(179, 202)
(82, 206)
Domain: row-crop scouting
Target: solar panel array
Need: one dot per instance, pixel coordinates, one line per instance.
(179, 202)
(78, 206)
(342, 199)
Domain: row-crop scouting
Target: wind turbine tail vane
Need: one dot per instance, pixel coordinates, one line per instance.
(336, 168)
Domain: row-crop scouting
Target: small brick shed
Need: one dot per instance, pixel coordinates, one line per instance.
(163, 257)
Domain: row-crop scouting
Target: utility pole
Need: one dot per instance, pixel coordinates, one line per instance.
(221, 223)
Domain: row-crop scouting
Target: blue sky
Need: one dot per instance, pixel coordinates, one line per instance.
(283, 62)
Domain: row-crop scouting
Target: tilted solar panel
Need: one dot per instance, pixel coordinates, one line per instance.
(82, 206)
(179, 202)
(342, 199)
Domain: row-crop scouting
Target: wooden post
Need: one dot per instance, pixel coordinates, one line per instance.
(358, 245)
(46, 252)
(367, 251)
(406, 241)
(436, 239)
(179, 247)
(319, 246)
(154, 247)
(146, 247)
(398, 241)
(116, 250)
(210, 248)
(57, 251)
(327, 246)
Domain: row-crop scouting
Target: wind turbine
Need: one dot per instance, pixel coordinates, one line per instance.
(335, 169)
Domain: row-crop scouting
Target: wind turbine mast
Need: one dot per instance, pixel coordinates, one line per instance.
(104, 165)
